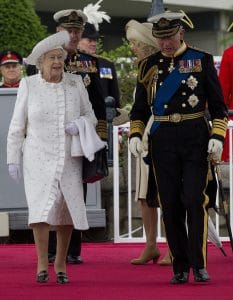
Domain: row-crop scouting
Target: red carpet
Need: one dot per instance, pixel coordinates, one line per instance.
(108, 275)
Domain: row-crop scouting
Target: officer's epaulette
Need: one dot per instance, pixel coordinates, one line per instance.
(146, 69)
(199, 50)
(142, 66)
(147, 59)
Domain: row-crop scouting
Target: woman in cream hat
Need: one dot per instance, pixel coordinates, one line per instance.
(144, 44)
(47, 108)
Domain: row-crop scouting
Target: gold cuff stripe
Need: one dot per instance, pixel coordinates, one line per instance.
(137, 127)
(219, 127)
(101, 129)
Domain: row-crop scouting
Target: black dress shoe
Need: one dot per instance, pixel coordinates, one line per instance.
(180, 278)
(42, 277)
(201, 275)
(62, 278)
(73, 259)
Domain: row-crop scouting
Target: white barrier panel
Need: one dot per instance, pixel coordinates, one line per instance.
(130, 232)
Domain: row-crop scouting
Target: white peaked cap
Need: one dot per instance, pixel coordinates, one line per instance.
(70, 17)
(168, 15)
(54, 41)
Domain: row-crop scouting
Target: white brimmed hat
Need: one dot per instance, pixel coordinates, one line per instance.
(140, 32)
(54, 41)
(70, 18)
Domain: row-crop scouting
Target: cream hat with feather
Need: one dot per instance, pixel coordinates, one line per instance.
(141, 32)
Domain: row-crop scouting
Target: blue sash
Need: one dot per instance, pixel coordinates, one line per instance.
(170, 86)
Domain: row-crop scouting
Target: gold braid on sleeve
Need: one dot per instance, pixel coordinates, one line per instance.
(219, 127)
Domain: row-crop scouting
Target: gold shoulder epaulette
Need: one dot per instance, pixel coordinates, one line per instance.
(142, 69)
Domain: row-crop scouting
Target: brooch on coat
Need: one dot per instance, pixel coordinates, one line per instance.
(192, 82)
(193, 100)
(86, 80)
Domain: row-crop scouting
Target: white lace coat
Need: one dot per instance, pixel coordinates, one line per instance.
(41, 111)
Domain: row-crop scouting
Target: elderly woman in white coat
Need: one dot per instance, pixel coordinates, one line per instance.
(42, 126)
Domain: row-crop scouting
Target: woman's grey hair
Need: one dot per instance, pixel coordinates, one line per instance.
(41, 58)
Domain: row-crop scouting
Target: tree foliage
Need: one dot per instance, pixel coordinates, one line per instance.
(21, 27)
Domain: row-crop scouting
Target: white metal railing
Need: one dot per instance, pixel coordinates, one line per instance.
(130, 232)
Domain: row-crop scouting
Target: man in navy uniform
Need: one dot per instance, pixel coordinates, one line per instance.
(177, 84)
(85, 65)
(107, 71)
(10, 67)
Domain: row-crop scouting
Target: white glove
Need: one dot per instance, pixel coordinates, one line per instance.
(122, 118)
(135, 146)
(71, 128)
(215, 149)
(14, 172)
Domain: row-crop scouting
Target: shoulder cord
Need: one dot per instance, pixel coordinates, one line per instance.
(149, 80)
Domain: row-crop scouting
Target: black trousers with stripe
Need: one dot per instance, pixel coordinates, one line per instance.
(179, 156)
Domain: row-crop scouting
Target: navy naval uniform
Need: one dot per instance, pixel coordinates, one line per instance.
(177, 92)
(108, 79)
(87, 66)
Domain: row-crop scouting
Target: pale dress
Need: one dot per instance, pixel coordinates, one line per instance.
(52, 178)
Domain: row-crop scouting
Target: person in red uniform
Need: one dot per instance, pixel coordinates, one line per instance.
(10, 67)
(226, 80)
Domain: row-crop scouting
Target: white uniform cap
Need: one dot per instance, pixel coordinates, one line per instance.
(70, 18)
(168, 15)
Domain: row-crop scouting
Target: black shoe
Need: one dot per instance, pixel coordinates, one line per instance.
(51, 258)
(42, 277)
(73, 259)
(62, 278)
(180, 278)
(200, 275)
